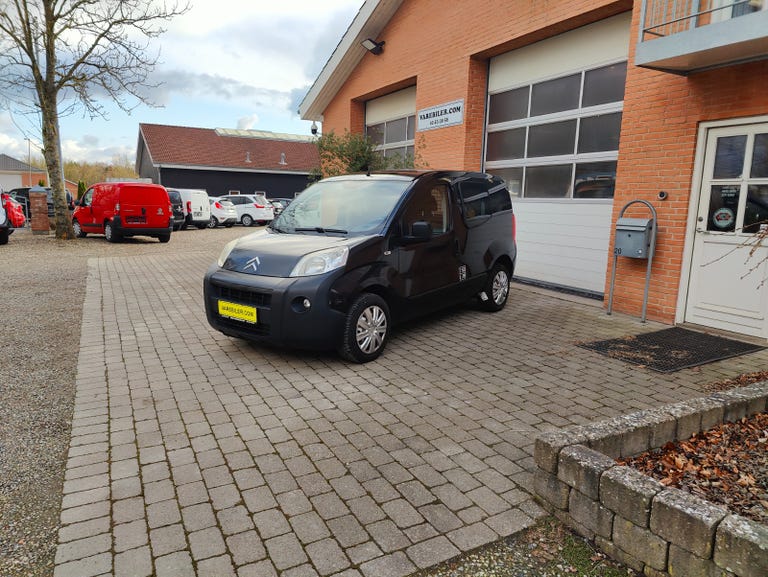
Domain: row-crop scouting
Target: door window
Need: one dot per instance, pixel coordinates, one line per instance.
(87, 197)
(428, 204)
(739, 170)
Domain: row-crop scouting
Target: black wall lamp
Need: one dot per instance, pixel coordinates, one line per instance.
(372, 46)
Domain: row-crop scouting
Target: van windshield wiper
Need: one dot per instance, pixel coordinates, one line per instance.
(321, 230)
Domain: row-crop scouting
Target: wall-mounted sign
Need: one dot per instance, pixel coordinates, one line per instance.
(448, 114)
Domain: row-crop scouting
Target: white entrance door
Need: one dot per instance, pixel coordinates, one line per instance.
(728, 287)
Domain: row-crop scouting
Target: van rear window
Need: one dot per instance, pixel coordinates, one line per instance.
(482, 198)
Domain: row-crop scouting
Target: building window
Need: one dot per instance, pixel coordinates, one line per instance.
(558, 138)
(394, 139)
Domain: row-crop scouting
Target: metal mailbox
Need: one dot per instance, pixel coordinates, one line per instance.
(633, 237)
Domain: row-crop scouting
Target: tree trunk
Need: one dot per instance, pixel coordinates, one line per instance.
(53, 161)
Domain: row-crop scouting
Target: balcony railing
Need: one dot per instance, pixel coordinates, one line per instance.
(685, 36)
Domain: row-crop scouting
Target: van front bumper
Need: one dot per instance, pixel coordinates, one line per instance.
(282, 317)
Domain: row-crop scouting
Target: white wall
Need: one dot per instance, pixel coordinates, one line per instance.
(564, 243)
(392, 106)
(9, 181)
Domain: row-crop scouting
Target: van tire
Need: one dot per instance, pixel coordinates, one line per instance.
(164, 238)
(202, 226)
(110, 234)
(79, 232)
(4, 236)
(247, 220)
(366, 329)
(496, 289)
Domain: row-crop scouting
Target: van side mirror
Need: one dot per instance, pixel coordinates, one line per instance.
(421, 231)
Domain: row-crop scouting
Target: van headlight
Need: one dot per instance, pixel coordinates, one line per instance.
(321, 262)
(226, 252)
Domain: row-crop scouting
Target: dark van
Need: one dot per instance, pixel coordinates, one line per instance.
(123, 209)
(352, 255)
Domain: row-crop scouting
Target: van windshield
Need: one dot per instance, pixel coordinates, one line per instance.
(354, 207)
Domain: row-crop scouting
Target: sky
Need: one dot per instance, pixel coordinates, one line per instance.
(224, 64)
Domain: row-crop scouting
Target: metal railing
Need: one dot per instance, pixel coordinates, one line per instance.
(668, 17)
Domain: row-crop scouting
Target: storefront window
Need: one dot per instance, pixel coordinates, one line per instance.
(548, 181)
(604, 85)
(556, 95)
(729, 156)
(394, 138)
(570, 153)
(760, 157)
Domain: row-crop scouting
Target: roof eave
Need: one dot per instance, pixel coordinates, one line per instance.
(371, 19)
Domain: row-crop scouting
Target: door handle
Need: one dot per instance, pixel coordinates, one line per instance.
(702, 231)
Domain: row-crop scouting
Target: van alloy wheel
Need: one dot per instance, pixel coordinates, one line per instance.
(79, 233)
(366, 329)
(496, 289)
(110, 234)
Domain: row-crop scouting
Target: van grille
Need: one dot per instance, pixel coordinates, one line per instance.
(242, 296)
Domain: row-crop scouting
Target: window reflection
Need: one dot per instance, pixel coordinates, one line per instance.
(756, 213)
(729, 156)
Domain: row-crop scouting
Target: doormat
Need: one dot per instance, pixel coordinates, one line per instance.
(670, 350)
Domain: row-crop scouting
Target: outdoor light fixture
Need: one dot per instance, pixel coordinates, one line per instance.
(372, 46)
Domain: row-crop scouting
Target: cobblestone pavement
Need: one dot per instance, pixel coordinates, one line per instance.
(193, 453)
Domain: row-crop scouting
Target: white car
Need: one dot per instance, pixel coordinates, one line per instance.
(222, 213)
(251, 208)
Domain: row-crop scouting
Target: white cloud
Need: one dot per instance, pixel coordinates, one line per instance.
(247, 122)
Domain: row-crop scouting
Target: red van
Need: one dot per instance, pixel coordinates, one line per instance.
(122, 209)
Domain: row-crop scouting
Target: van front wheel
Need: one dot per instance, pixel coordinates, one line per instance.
(496, 290)
(366, 329)
(79, 232)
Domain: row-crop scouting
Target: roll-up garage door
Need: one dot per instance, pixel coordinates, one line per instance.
(554, 118)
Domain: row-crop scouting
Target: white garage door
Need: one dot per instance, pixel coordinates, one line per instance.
(554, 119)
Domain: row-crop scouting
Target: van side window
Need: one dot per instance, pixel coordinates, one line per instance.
(429, 204)
(483, 198)
(87, 197)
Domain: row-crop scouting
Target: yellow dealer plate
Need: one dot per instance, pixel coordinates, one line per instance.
(236, 311)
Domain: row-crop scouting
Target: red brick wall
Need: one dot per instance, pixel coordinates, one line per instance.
(662, 113)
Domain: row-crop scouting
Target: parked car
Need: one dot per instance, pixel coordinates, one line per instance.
(6, 229)
(14, 211)
(284, 202)
(178, 209)
(197, 209)
(21, 195)
(354, 254)
(123, 209)
(222, 213)
(251, 208)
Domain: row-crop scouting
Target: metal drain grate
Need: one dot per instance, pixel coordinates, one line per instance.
(672, 349)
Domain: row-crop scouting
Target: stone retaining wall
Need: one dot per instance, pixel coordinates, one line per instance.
(634, 518)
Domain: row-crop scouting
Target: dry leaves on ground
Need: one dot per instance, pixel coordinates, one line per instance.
(727, 465)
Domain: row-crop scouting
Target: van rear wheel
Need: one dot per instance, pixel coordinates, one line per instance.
(164, 237)
(109, 232)
(366, 329)
(496, 289)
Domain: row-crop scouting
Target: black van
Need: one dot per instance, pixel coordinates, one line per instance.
(352, 255)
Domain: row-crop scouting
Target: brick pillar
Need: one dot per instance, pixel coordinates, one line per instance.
(38, 204)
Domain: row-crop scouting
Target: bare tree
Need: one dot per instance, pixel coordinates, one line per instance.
(58, 55)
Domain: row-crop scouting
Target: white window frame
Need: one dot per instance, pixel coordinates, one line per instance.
(576, 113)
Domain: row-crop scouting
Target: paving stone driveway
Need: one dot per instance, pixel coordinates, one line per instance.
(193, 453)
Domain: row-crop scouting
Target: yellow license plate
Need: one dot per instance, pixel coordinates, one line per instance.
(239, 312)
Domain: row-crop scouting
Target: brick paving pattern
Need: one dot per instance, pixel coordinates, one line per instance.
(193, 453)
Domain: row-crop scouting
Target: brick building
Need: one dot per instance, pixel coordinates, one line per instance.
(583, 107)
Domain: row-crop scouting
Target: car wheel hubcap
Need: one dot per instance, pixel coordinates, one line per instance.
(371, 329)
(500, 287)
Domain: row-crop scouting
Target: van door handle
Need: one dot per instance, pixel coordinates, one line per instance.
(456, 248)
